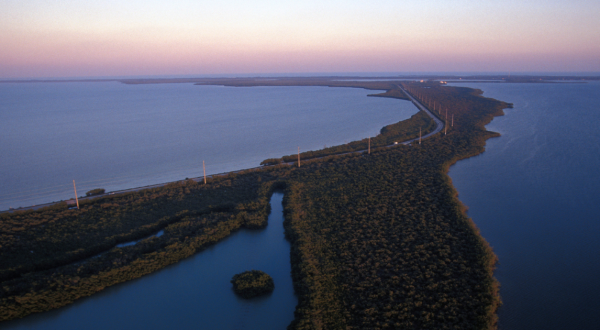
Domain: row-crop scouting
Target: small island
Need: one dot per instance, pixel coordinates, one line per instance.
(252, 283)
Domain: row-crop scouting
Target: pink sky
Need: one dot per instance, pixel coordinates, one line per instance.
(110, 38)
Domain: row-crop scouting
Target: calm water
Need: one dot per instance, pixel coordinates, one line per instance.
(116, 136)
(192, 294)
(535, 195)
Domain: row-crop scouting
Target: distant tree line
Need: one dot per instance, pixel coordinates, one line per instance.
(419, 123)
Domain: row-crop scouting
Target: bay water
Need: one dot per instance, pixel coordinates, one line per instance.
(116, 136)
(535, 195)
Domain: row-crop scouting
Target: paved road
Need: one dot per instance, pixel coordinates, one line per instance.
(438, 123)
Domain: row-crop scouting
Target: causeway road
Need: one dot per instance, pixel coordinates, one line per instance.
(439, 124)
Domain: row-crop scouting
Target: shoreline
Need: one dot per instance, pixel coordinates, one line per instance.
(369, 86)
(437, 140)
(313, 244)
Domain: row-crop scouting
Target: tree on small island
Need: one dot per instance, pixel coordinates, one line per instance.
(250, 284)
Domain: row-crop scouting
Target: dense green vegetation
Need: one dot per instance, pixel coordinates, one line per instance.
(34, 240)
(381, 241)
(393, 93)
(391, 246)
(378, 241)
(95, 192)
(283, 81)
(53, 256)
(271, 161)
(252, 283)
(398, 132)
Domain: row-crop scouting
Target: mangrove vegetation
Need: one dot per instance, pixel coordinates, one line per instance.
(379, 240)
(252, 283)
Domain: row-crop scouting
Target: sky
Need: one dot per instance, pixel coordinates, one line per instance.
(73, 38)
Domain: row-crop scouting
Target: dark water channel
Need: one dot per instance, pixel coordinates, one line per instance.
(192, 294)
(535, 195)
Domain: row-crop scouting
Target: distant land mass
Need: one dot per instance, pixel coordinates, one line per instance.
(332, 80)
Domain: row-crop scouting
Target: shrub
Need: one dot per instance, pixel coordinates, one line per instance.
(94, 192)
(252, 283)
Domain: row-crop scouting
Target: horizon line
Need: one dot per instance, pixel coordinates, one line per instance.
(377, 74)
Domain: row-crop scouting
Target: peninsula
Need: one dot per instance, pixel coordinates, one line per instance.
(379, 237)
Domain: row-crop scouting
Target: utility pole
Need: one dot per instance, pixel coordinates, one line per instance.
(204, 169)
(446, 123)
(298, 156)
(419, 135)
(369, 145)
(76, 199)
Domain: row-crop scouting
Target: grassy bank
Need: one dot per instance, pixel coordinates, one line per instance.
(419, 123)
(52, 257)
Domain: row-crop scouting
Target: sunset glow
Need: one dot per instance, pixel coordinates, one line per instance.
(114, 38)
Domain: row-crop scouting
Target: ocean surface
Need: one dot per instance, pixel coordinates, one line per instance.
(535, 195)
(116, 136)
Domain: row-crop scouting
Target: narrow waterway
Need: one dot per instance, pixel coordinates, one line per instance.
(194, 293)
